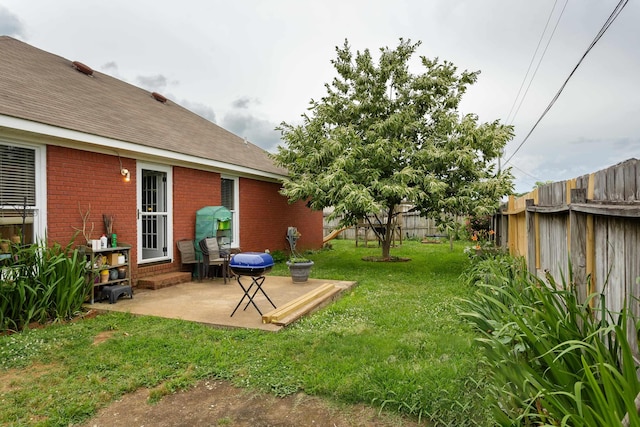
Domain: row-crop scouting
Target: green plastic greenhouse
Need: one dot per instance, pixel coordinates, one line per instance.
(214, 221)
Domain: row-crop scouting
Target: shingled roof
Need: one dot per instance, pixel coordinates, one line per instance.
(42, 87)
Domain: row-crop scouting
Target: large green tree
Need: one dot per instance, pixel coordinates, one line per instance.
(383, 135)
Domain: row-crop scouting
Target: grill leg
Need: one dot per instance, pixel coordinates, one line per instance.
(257, 282)
(246, 295)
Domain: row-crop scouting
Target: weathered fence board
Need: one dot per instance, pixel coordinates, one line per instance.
(632, 265)
(578, 246)
(614, 283)
(553, 245)
(597, 228)
(630, 182)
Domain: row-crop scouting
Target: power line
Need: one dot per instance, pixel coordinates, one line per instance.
(539, 62)
(525, 172)
(616, 12)
(533, 57)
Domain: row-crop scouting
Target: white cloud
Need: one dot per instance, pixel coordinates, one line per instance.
(202, 110)
(243, 102)
(154, 83)
(260, 132)
(10, 24)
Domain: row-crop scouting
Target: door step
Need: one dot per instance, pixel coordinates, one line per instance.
(164, 280)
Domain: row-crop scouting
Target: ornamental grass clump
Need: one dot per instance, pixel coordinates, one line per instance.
(555, 359)
(40, 284)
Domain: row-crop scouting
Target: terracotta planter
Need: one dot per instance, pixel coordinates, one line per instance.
(15, 239)
(4, 247)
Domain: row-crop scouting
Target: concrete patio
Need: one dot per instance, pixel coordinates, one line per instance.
(211, 301)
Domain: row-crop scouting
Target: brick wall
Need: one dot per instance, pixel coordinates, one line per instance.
(192, 190)
(84, 180)
(265, 215)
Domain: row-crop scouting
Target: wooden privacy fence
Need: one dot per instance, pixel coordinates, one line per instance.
(410, 225)
(592, 222)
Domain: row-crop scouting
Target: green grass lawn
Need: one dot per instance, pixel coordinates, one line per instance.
(395, 342)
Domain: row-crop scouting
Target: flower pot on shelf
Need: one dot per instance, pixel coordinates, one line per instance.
(300, 270)
(104, 276)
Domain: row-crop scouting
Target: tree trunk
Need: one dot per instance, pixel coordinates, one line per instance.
(388, 234)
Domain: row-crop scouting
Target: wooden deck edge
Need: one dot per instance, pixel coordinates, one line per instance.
(294, 304)
(311, 307)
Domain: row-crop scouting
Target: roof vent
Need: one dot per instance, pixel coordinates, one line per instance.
(159, 97)
(84, 69)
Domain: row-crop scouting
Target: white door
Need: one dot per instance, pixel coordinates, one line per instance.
(154, 213)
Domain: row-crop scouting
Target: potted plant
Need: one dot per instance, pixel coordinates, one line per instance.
(104, 274)
(299, 267)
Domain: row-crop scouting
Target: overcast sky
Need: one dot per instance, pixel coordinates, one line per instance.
(249, 65)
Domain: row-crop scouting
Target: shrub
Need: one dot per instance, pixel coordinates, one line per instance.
(278, 256)
(476, 224)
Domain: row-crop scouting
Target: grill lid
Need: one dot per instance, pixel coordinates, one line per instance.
(251, 260)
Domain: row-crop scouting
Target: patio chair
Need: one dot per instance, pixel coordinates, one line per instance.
(188, 255)
(211, 256)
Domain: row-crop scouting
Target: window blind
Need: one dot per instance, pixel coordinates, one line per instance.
(17, 176)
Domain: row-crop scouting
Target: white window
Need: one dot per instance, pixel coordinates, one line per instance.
(155, 213)
(22, 191)
(229, 196)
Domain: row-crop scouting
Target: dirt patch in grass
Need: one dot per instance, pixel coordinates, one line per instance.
(14, 378)
(218, 403)
(102, 337)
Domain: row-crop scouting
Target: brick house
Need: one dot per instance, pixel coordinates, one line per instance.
(69, 135)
